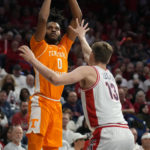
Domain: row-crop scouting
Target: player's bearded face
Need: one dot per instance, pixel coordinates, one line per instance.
(52, 40)
(53, 33)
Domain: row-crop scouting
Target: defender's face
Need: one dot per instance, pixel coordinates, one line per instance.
(53, 31)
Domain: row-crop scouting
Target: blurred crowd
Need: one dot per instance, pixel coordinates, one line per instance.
(125, 24)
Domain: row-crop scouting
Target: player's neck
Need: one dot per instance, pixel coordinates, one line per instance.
(103, 66)
(51, 42)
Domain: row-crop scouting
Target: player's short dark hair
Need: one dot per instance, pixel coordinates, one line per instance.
(102, 52)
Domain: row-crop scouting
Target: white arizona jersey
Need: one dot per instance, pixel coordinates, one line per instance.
(101, 103)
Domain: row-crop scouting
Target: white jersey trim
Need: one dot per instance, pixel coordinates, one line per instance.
(35, 114)
(49, 98)
(37, 81)
(37, 94)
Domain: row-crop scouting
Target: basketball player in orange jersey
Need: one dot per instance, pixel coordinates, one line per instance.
(45, 110)
(99, 94)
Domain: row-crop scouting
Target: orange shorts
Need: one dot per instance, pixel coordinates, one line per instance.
(45, 118)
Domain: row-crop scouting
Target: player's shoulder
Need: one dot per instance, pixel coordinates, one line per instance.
(65, 38)
(88, 70)
(33, 40)
(87, 67)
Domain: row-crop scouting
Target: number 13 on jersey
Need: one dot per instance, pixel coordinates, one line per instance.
(112, 91)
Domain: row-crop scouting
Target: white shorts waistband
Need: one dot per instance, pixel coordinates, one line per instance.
(113, 125)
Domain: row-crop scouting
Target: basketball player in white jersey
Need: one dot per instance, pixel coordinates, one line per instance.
(100, 98)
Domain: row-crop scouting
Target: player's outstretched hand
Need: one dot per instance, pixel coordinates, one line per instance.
(26, 53)
(80, 29)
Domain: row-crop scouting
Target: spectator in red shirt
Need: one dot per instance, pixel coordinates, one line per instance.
(12, 55)
(129, 71)
(21, 117)
(127, 107)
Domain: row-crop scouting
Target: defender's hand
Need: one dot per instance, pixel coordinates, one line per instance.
(80, 30)
(26, 53)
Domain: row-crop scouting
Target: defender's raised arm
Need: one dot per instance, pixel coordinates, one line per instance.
(80, 31)
(76, 14)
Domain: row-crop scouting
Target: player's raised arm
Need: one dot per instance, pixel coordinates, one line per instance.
(76, 13)
(80, 31)
(42, 21)
(77, 75)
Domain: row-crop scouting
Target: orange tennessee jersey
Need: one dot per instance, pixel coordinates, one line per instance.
(54, 57)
